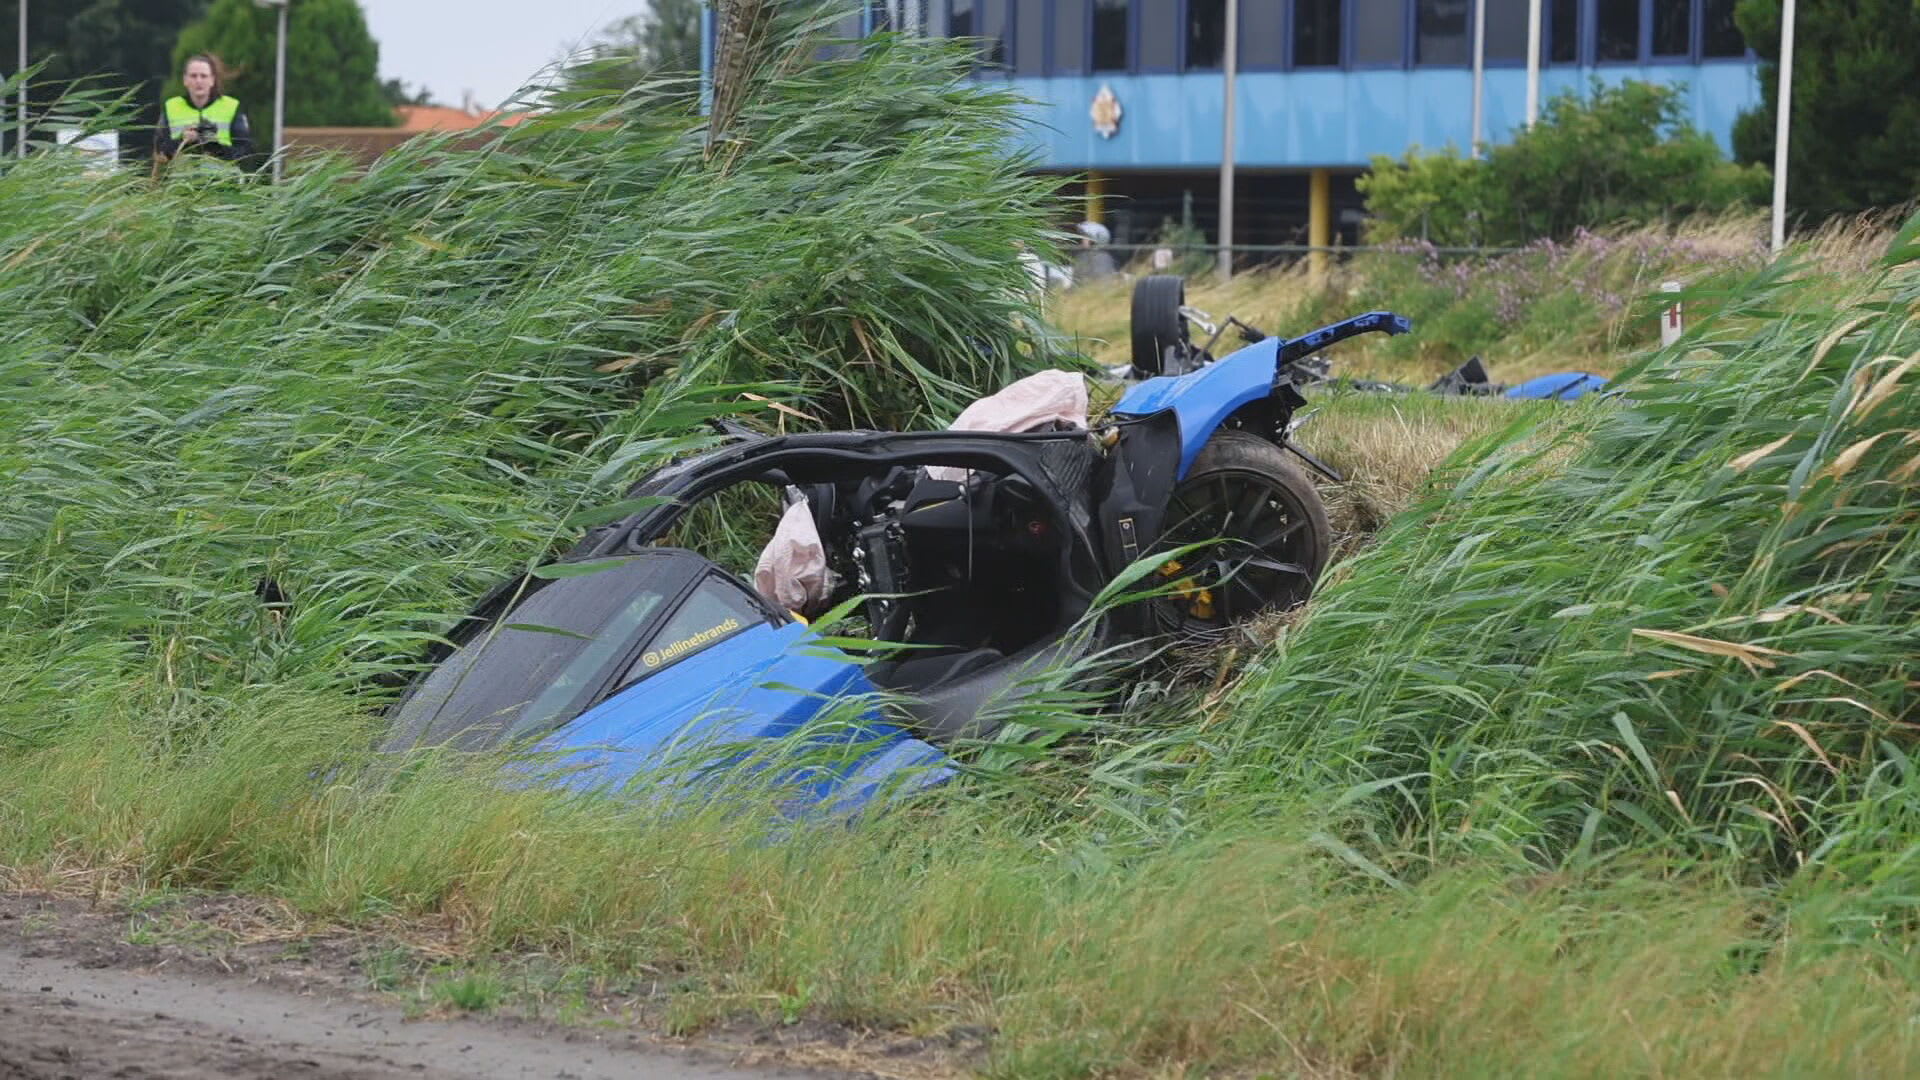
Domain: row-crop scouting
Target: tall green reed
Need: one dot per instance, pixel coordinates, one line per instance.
(1679, 619)
(371, 392)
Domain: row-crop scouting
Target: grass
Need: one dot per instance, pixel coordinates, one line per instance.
(471, 992)
(1247, 945)
(1594, 761)
(1386, 447)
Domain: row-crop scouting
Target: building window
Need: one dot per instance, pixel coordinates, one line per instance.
(1263, 37)
(1159, 34)
(1719, 36)
(1379, 33)
(1316, 33)
(1069, 37)
(904, 16)
(1673, 27)
(960, 18)
(1207, 33)
(1506, 30)
(1110, 35)
(1617, 23)
(1029, 37)
(1563, 32)
(993, 27)
(1440, 32)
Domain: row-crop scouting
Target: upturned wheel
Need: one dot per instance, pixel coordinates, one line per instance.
(1157, 324)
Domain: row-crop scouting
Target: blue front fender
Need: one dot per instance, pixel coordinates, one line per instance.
(1202, 400)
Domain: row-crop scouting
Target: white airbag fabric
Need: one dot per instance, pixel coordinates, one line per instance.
(792, 571)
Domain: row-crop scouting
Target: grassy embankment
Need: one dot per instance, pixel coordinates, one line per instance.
(1595, 764)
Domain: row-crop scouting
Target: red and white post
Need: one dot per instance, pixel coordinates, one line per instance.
(1672, 322)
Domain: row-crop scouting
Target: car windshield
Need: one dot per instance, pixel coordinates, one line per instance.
(536, 667)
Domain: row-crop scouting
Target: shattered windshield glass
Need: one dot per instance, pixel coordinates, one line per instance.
(539, 665)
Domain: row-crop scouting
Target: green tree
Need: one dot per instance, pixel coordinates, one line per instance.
(397, 93)
(1856, 101)
(663, 42)
(333, 63)
(1619, 154)
(122, 42)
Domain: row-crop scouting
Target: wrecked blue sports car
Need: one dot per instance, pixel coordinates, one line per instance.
(626, 653)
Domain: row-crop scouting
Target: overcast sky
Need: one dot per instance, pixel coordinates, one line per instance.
(487, 46)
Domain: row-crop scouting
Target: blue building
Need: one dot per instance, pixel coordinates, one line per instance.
(1323, 86)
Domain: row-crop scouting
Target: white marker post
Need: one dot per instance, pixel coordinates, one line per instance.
(1672, 321)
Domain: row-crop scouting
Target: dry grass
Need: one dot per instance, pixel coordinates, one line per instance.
(1387, 446)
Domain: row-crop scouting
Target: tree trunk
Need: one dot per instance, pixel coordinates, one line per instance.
(740, 43)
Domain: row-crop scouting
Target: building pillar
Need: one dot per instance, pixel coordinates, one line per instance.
(1096, 198)
(1319, 222)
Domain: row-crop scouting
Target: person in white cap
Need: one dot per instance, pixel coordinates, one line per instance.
(1093, 261)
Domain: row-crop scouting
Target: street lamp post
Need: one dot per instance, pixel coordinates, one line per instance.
(1783, 111)
(279, 84)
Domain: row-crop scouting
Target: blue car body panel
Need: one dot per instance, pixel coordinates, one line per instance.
(1202, 399)
(765, 683)
(1560, 386)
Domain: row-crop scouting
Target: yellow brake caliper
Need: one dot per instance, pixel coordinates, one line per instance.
(1199, 600)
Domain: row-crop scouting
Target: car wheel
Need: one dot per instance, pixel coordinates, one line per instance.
(1264, 529)
(1156, 322)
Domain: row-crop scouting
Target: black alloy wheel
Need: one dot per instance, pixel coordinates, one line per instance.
(1265, 533)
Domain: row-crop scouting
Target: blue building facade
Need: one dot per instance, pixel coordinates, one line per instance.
(1323, 87)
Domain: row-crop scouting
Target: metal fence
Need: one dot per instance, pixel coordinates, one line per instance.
(1200, 258)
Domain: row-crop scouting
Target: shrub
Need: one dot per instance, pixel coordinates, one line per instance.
(1621, 155)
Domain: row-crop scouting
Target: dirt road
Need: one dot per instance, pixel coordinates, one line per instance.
(208, 986)
(59, 1020)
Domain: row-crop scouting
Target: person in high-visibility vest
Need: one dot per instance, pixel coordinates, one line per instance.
(205, 120)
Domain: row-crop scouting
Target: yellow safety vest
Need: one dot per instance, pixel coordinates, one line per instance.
(181, 115)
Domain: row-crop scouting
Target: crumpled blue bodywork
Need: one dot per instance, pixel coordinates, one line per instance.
(1559, 386)
(765, 684)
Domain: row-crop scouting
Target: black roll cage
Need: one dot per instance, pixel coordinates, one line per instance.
(828, 457)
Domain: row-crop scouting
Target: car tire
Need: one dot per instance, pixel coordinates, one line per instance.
(1244, 491)
(1156, 322)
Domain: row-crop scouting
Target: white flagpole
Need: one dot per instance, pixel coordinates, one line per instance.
(1231, 72)
(1533, 62)
(1479, 75)
(1780, 125)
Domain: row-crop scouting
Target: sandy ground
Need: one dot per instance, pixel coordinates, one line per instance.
(223, 987)
(59, 1020)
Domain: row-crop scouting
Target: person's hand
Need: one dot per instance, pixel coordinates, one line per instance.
(191, 135)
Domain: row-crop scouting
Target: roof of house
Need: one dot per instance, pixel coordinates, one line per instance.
(446, 118)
